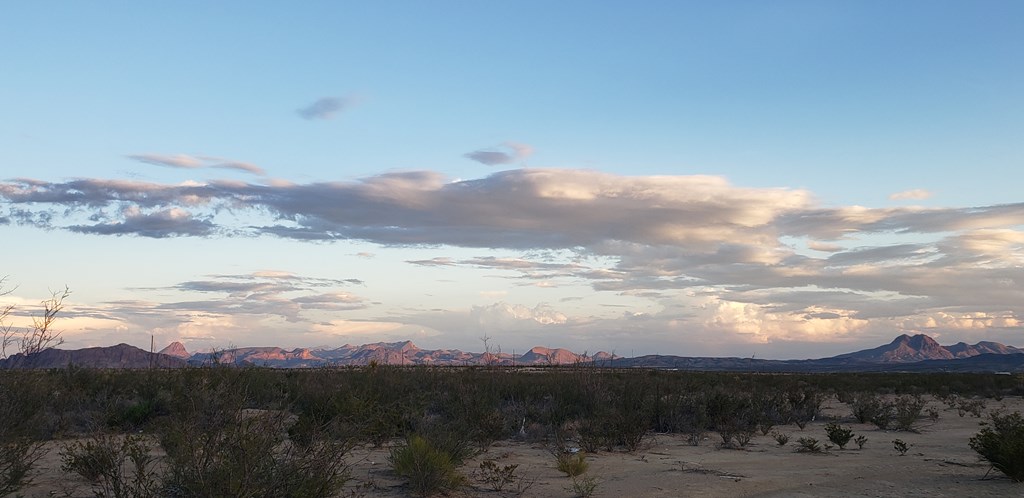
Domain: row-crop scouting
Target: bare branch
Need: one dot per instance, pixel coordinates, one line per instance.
(6, 330)
(42, 336)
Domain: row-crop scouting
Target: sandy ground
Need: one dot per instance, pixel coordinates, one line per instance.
(939, 463)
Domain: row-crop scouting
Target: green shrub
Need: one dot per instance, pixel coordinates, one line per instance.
(838, 434)
(808, 445)
(428, 469)
(216, 447)
(583, 487)
(866, 407)
(571, 464)
(908, 410)
(1001, 443)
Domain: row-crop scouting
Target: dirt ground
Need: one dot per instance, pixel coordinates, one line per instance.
(939, 463)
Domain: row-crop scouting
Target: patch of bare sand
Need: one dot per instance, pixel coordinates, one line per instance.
(939, 464)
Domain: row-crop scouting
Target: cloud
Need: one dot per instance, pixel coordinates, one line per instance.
(195, 162)
(734, 258)
(325, 108)
(232, 307)
(915, 195)
(158, 224)
(506, 153)
(823, 246)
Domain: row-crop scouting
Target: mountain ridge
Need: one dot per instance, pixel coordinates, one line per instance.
(905, 352)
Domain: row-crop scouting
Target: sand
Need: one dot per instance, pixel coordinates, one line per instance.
(939, 463)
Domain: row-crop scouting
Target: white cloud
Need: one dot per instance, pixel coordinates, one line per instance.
(913, 195)
(697, 240)
(195, 162)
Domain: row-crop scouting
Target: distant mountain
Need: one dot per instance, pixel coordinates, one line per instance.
(392, 353)
(175, 349)
(903, 349)
(268, 356)
(120, 356)
(907, 349)
(905, 353)
(963, 350)
(544, 356)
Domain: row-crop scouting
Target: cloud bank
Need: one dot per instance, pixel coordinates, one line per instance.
(766, 264)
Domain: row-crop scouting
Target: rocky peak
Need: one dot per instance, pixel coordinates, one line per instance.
(175, 349)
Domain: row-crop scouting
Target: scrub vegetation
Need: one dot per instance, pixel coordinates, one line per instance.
(263, 432)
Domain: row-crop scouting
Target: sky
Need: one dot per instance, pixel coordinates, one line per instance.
(789, 179)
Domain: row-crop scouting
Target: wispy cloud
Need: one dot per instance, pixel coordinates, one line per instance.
(195, 162)
(325, 108)
(266, 294)
(506, 153)
(914, 195)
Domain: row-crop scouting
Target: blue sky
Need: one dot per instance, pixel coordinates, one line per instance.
(785, 179)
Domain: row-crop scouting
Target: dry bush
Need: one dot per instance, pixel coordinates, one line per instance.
(428, 469)
(1001, 443)
(116, 466)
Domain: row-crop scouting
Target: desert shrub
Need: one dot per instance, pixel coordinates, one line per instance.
(496, 476)
(119, 467)
(428, 469)
(972, 406)
(861, 441)
(595, 434)
(452, 439)
(17, 457)
(571, 464)
(907, 411)
(694, 437)
(217, 447)
(743, 438)
(883, 418)
(838, 434)
(1001, 443)
(733, 415)
(132, 415)
(21, 424)
(808, 445)
(804, 404)
(689, 417)
(583, 487)
(865, 407)
(900, 446)
(899, 414)
(780, 438)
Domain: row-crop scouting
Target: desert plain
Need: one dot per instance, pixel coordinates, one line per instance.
(938, 463)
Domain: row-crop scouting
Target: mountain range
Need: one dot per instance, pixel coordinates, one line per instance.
(905, 353)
